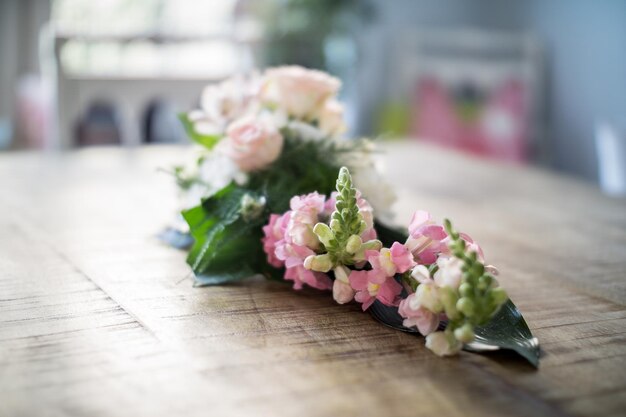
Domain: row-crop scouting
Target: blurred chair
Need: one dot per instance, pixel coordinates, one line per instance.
(100, 125)
(160, 123)
(474, 90)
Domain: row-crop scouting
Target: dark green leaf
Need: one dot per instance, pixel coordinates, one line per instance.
(237, 273)
(507, 330)
(208, 141)
(226, 247)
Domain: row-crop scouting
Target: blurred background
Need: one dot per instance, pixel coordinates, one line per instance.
(524, 82)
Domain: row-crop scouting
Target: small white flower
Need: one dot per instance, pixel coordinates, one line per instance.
(421, 274)
(427, 296)
(449, 273)
(442, 344)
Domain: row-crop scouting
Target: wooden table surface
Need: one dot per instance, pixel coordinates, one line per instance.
(97, 318)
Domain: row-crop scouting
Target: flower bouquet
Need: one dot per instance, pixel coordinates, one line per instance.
(276, 191)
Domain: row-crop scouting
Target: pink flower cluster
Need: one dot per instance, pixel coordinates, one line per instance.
(289, 239)
(424, 308)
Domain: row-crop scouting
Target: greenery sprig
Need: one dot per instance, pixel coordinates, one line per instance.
(478, 298)
(342, 241)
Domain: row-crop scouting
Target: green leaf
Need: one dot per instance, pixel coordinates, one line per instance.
(226, 247)
(208, 141)
(237, 273)
(507, 330)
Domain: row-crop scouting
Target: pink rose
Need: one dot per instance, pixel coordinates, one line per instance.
(299, 91)
(252, 143)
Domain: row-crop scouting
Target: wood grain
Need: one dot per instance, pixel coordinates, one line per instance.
(98, 318)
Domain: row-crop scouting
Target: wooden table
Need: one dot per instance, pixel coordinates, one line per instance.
(97, 318)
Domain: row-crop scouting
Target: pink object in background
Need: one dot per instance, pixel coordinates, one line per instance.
(498, 127)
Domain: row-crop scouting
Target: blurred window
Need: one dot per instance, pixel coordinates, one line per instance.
(146, 38)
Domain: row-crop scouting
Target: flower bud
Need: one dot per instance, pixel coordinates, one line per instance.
(341, 274)
(354, 244)
(373, 244)
(427, 295)
(484, 282)
(449, 298)
(478, 269)
(342, 292)
(443, 344)
(465, 333)
(335, 225)
(466, 306)
(320, 263)
(252, 207)
(308, 261)
(324, 233)
(466, 289)
(498, 297)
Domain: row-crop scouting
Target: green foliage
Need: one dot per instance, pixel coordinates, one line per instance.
(346, 223)
(208, 141)
(478, 298)
(303, 167)
(227, 243)
(226, 246)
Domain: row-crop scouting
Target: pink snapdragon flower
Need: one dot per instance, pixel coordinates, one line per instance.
(342, 291)
(418, 316)
(421, 309)
(471, 246)
(293, 256)
(300, 275)
(305, 212)
(367, 291)
(274, 233)
(426, 238)
(289, 240)
(379, 282)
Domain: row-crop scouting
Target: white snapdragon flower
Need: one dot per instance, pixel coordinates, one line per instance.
(443, 344)
(449, 273)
